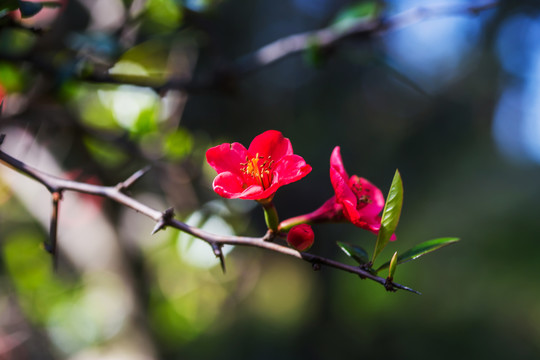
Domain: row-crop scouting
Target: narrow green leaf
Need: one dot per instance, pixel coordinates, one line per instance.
(390, 216)
(29, 9)
(421, 249)
(360, 11)
(393, 266)
(355, 252)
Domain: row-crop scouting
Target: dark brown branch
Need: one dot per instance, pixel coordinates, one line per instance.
(57, 185)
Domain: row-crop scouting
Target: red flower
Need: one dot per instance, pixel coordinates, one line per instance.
(301, 237)
(359, 200)
(255, 173)
(2, 94)
(356, 200)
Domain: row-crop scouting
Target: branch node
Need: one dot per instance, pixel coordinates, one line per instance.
(269, 236)
(166, 217)
(389, 284)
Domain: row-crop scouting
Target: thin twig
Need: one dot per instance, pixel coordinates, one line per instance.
(56, 185)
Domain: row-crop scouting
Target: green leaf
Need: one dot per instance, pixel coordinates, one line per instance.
(29, 9)
(355, 252)
(421, 249)
(390, 216)
(362, 11)
(393, 266)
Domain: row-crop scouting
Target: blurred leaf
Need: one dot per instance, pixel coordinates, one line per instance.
(29, 9)
(30, 269)
(421, 249)
(314, 54)
(16, 41)
(178, 144)
(365, 10)
(146, 122)
(390, 216)
(148, 59)
(11, 78)
(162, 15)
(355, 252)
(104, 152)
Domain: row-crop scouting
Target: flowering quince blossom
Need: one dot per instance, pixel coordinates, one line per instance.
(356, 200)
(2, 94)
(300, 237)
(359, 200)
(257, 172)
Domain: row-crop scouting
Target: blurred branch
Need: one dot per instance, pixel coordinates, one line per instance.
(275, 51)
(56, 185)
(330, 36)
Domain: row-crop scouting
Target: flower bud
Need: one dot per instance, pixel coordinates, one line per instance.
(300, 237)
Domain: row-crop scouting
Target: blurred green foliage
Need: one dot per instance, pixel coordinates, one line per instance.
(89, 85)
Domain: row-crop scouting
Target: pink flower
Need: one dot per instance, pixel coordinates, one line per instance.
(359, 200)
(2, 94)
(257, 172)
(356, 200)
(300, 237)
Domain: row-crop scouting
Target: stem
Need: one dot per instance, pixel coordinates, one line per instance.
(271, 216)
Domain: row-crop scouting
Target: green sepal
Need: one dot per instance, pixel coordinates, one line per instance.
(270, 216)
(421, 249)
(390, 215)
(356, 252)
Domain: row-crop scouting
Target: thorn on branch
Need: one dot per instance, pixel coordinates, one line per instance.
(2, 137)
(166, 217)
(316, 266)
(217, 248)
(50, 247)
(124, 185)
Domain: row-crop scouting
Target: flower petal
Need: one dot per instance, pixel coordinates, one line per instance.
(336, 162)
(344, 195)
(228, 185)
(271, 144)
(375, 197)
(290, 169)
(227, 158)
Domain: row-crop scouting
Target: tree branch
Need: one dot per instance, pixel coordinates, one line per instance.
(331, 36)
(273, 52)
(56, 185)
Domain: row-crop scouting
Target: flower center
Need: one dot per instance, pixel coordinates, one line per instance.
(363, 194)
(260, 169)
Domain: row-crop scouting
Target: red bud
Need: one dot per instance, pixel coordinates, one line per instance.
(300, 237)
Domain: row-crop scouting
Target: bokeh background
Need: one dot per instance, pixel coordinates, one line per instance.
(452, 101)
